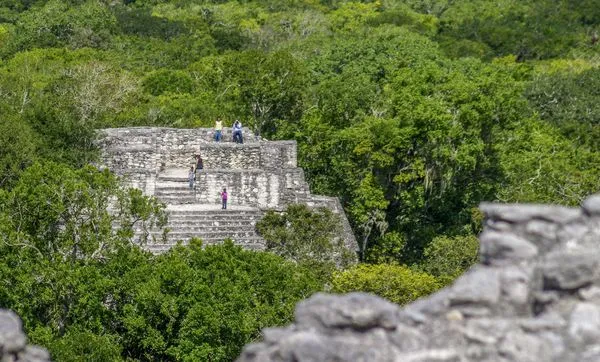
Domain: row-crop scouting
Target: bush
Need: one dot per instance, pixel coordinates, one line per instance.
(396, 283)
(304, 235)
(168, 81)
(449, 257)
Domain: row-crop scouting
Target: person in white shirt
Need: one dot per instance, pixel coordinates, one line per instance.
(237, 132)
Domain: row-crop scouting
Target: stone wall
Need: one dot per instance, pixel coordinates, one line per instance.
(252, 188)
(534, 297)
(13, 342)
(149, 150)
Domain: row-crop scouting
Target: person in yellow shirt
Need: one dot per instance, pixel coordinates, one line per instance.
(218, 130)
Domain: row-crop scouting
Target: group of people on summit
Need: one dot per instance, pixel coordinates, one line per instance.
(237, 138)
(236, 131)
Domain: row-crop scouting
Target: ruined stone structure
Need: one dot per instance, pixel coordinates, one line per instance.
(535, 297)
(259, 175)
(13, 342)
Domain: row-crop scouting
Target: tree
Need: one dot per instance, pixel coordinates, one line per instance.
(264, 87)
(542, 166)
(64, 214)
(449, 257)
(18, 148)
(396, 283)
(57, 24)
(569, 101)
(305, 236)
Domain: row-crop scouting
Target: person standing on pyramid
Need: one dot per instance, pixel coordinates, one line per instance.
(199, 162)
(237, 132)
(191, 177)
(224, 198)
(218, 129)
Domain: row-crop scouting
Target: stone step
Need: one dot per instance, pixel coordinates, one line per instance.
(170, 187)
(215, 216)
(184, 193)
(208, 234)
(229, 213)
(193, 222)
(178, 199)
(246, 225)
(211, 223)
(216, 230)
(161, 248)
(210, 241)
(204, 234)
(181, 187)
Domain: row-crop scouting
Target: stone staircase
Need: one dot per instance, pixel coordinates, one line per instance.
(259, 175)
(192, 215)
(211, 224)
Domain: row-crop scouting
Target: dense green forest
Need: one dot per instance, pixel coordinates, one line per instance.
(410, 111)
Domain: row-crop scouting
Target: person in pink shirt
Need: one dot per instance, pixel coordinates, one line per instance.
(224, 198)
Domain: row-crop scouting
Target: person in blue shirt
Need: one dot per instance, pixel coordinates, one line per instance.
(237, 132)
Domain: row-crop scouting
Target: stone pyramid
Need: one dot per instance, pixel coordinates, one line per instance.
(259, 175)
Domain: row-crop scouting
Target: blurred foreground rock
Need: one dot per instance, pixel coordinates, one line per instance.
(13, 342)
(534, 297)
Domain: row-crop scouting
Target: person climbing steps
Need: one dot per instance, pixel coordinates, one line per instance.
(191, 177)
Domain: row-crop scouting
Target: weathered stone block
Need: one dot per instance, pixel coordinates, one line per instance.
(565, 271)
(502, 248)
(355, 310)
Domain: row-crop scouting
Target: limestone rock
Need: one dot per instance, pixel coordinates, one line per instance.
(591, 205)
(525, 212)
(536, 298)
(359, 311)
(570, 271)
(584, 324)
(480, 286)
(13, 341)
(505, 248)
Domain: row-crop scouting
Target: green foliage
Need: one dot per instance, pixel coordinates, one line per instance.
(449, 257)
(569, 101)
(541, 165)
(76, 344)
(192, 303)
(62, 214)
(429, 156)
(262, 87)
(410, 112)
(167, 81)
(57, 24)
(305, 236)
(528, 29)
(396, 283)
(387, 250)
(18, 146)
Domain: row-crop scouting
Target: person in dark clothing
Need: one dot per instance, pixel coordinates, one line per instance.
(199, 163)
(237, 132)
